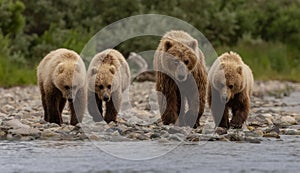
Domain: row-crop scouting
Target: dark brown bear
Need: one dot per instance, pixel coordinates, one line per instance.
(230, 87)
(181, 78)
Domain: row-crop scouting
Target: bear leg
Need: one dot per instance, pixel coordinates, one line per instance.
(240, 111)
(95, 107)
(53, 99)
(112, 107)
(225, 119)
(167, 98)
(43, 97)
(219, 109)
(78, 107)
(192, 116)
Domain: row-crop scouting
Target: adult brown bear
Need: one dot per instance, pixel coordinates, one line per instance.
(61, 77)
(181, 78)
(230, 86)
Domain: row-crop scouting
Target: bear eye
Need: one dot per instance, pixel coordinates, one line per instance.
(67, 87)
(222, 85)
(176, 62)
(186, 62)
(101, 87)
(230, 86)
(108, 86)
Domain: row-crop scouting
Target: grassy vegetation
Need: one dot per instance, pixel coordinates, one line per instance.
(274, 61)
(12, 74)
(29, 30)
(268, 61)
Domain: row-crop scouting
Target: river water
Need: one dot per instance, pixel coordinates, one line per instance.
(56, 156)
(271, 155)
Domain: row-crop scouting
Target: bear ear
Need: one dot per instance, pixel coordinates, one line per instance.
(193, 44)
(239, 69)
(168, 44)
(94, 71)
(77, 67)
(60, 68)
(112, 69)
(222, 66)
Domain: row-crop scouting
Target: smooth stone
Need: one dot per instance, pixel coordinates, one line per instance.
(291, 132)
(8, 108)
(271, 135)
(253, 140)
(174, 137)
(155, 135)
(174, 130)
(289, 119)
(48, 133)
(142, 137)
(14, 123)
(25, 131)
(297, 127)
(193, 138)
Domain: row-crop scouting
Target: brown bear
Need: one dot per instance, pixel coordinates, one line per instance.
(61, 77)
(230, 86)
(108, 78)
(181, 78)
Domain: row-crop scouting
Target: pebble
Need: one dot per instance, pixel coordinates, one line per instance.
(21, 118)
(24, 131)
(15, 123)
(271, 135)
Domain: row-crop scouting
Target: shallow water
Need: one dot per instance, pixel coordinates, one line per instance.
(57, 156)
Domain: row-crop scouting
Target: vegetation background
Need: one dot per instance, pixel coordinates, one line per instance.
(265, 32)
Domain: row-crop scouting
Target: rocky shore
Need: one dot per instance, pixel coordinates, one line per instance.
(21, 118)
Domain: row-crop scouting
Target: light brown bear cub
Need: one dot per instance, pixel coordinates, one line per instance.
(230, 86)
(181, 78)
(108, 78)
(61, 77)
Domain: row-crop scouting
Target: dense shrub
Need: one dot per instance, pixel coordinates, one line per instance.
(30, 29)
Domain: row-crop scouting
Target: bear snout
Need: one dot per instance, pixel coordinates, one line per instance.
(180, 77)
(224, 98)
(181, 73)
(106, 98)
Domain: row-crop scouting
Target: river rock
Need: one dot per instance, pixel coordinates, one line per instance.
(174, 137)
(271, 134)
(25, 132)
(15, 124)
(8, 108)
(48, 133)
(290, 132)
(285, 121)
(175, 129)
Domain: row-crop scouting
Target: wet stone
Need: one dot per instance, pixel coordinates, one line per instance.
(22, 111)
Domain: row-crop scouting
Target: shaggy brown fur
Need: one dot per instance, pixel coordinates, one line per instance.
(108, 78)
(230, 87)
(181, 78)
(61, 77)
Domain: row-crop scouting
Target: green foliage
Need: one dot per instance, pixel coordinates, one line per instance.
(268, 60)
(12, 21)
(11, 72)
(261, 29)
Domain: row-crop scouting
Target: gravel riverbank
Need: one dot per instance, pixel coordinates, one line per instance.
(274, 113)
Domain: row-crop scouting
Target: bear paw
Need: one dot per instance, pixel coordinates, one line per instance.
(236, 124)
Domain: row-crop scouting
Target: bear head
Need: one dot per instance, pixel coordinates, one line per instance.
(228, 80)
(69, 78)
(103, 81)
(179, 59)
